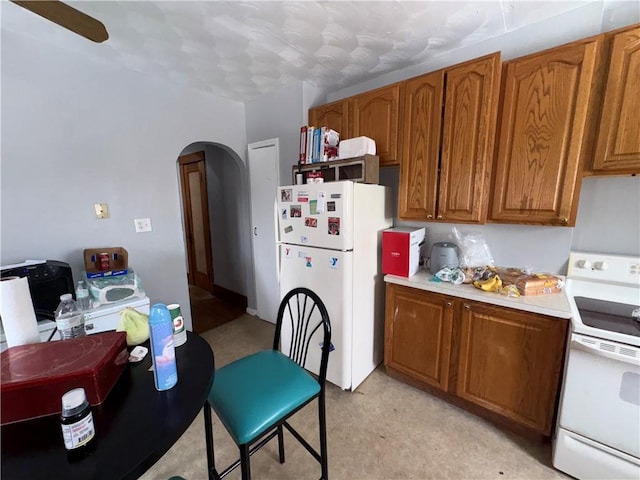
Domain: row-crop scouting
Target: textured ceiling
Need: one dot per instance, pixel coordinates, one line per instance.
(241, 50)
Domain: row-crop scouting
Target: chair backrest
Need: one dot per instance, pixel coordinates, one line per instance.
(304, 318)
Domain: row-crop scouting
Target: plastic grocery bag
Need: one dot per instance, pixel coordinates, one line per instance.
(474, 251)
(135, 324)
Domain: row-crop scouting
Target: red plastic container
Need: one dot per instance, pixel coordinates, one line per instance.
(34, 377)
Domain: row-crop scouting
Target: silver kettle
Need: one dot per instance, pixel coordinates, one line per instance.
(443, 254)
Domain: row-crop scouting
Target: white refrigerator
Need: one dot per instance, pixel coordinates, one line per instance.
(329, 240)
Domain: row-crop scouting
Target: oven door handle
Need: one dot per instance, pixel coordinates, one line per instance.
(578, 345)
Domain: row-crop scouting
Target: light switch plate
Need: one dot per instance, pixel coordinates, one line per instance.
(102, 210)
(142, 225)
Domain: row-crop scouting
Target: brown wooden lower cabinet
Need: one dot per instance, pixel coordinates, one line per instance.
(507, 362)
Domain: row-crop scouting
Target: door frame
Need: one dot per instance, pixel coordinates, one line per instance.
(185, 163)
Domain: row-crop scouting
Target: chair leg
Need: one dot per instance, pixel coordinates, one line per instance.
(323, 437)
(281, 443)
(244, 462)
(208, 432)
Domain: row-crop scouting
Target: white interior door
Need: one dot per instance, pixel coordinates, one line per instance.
(263, 161)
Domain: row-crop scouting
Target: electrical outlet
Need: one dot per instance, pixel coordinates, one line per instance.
(102, 210)
(142, 225)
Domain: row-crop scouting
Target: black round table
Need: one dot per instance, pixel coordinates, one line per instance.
(135, 425)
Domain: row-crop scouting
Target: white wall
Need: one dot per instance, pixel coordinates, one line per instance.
(78, 132)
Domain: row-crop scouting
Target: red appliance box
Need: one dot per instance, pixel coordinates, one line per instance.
(401, 250)
(34, 377)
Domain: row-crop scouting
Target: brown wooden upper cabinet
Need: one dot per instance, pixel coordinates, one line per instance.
(335, 115)
(376, 114)
(546, 101)
(448, 143)
(618, 146)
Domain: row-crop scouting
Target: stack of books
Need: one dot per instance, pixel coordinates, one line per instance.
(318, 144)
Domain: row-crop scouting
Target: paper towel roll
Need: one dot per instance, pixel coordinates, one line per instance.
(16, 309)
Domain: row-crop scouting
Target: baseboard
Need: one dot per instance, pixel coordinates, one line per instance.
(252, 312)
(229, 296)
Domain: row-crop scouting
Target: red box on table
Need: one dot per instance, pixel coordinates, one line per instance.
(34, 377)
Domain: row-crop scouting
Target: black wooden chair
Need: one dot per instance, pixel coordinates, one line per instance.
(256, 395)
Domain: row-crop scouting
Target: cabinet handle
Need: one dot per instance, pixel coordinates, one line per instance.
(439, 217)
(449, 304)
(89, 326)
(563, 220)
(467, 306)
(429, 217)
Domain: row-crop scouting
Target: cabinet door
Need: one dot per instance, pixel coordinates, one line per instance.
(546, 101)
(510, 362)
(418, 334)
(335, 115)
(421, 146)
(376, 115)
(470, 111)
(618, 147)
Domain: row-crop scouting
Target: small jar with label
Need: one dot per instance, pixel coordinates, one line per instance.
(78, 430)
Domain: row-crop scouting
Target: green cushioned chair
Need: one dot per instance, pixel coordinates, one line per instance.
(255, 395)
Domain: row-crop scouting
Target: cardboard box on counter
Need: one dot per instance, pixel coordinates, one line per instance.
(118, 262)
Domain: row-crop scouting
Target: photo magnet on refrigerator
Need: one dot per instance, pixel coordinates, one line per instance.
(296, 211)
(308, 260)
(303, 197)
(288, 229)
(313, 207)
(283, 214)
(286, 195)
(334, 226)
(331, 206)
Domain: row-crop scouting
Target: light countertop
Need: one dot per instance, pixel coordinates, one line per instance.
(553, 304)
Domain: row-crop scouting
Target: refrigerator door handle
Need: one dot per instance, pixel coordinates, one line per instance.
(255, 231)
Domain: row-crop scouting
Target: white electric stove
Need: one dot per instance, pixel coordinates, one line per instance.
(598, 430)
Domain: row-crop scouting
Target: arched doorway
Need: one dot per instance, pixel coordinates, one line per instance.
(215, 224)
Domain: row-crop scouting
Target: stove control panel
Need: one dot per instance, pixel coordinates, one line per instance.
(600, 267)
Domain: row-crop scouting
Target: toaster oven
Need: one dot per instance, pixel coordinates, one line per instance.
(48, 279)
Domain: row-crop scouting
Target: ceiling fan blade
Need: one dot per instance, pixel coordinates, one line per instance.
(67, 17)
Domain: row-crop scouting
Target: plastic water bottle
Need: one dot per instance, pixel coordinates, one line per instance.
(82, 296)
(69, 318)
(163, 354)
